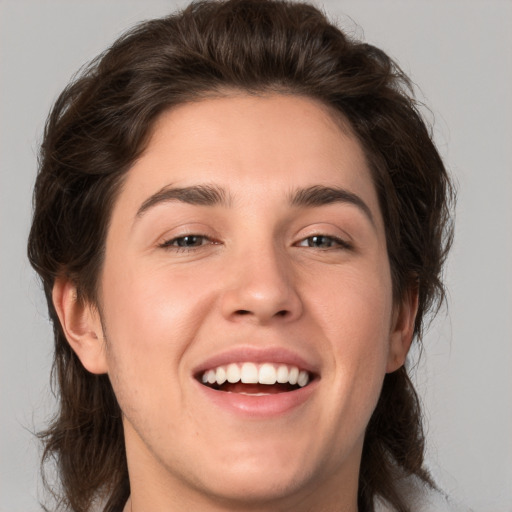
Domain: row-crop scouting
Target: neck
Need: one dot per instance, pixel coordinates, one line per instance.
(156, 488)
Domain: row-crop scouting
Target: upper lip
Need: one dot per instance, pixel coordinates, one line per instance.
(242, 354)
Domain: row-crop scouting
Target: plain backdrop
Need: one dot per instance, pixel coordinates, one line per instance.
(459, 53)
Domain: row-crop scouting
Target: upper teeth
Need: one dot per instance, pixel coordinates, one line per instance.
(252, 373)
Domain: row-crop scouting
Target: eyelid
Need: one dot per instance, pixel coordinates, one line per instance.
(340, 243)
(168, 242)
(328, 229)
(168, 232)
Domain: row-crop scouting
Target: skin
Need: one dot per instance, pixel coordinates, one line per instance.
(257, 279)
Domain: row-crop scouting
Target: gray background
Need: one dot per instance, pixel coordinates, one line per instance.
(459, 52)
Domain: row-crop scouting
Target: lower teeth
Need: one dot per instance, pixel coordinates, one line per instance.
(251, 394)
(253, 389)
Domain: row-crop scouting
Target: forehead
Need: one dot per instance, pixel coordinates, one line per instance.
(253, 146)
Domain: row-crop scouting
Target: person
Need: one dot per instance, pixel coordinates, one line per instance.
(240, 222)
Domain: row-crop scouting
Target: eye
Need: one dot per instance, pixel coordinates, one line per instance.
(186, 242)
(323, 242)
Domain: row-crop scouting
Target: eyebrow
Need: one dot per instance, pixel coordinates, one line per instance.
(319, 195)
(202, 195)
(212, 195)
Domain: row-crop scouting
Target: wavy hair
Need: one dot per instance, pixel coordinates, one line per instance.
(101, 123)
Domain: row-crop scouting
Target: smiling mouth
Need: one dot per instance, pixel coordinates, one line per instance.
(255, 379)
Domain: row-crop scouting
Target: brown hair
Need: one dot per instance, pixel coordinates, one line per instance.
(100, 125)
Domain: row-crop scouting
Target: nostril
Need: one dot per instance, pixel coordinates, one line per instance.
(282, 312)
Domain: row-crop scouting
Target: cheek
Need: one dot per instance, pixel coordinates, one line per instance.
(152, 317)
(148, 322)
(356, 318)
(148, 306)
(357, 308)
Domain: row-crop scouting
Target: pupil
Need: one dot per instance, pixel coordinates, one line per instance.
(320, 241)
(189, 241)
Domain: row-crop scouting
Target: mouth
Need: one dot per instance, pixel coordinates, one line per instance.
(255, 379)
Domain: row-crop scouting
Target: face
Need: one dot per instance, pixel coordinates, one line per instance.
(247, 243)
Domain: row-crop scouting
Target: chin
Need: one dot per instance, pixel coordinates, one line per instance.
(257, 486)
(263, 477)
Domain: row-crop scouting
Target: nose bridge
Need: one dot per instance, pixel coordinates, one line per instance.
(261, 284)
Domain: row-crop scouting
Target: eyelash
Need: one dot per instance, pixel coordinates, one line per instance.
(335, 242)
(173, 243)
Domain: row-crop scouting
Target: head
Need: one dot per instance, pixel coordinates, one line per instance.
(254, 56)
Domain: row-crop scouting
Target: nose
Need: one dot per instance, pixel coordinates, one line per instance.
(260, 287)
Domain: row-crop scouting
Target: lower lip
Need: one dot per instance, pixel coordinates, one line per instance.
(258, 406)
